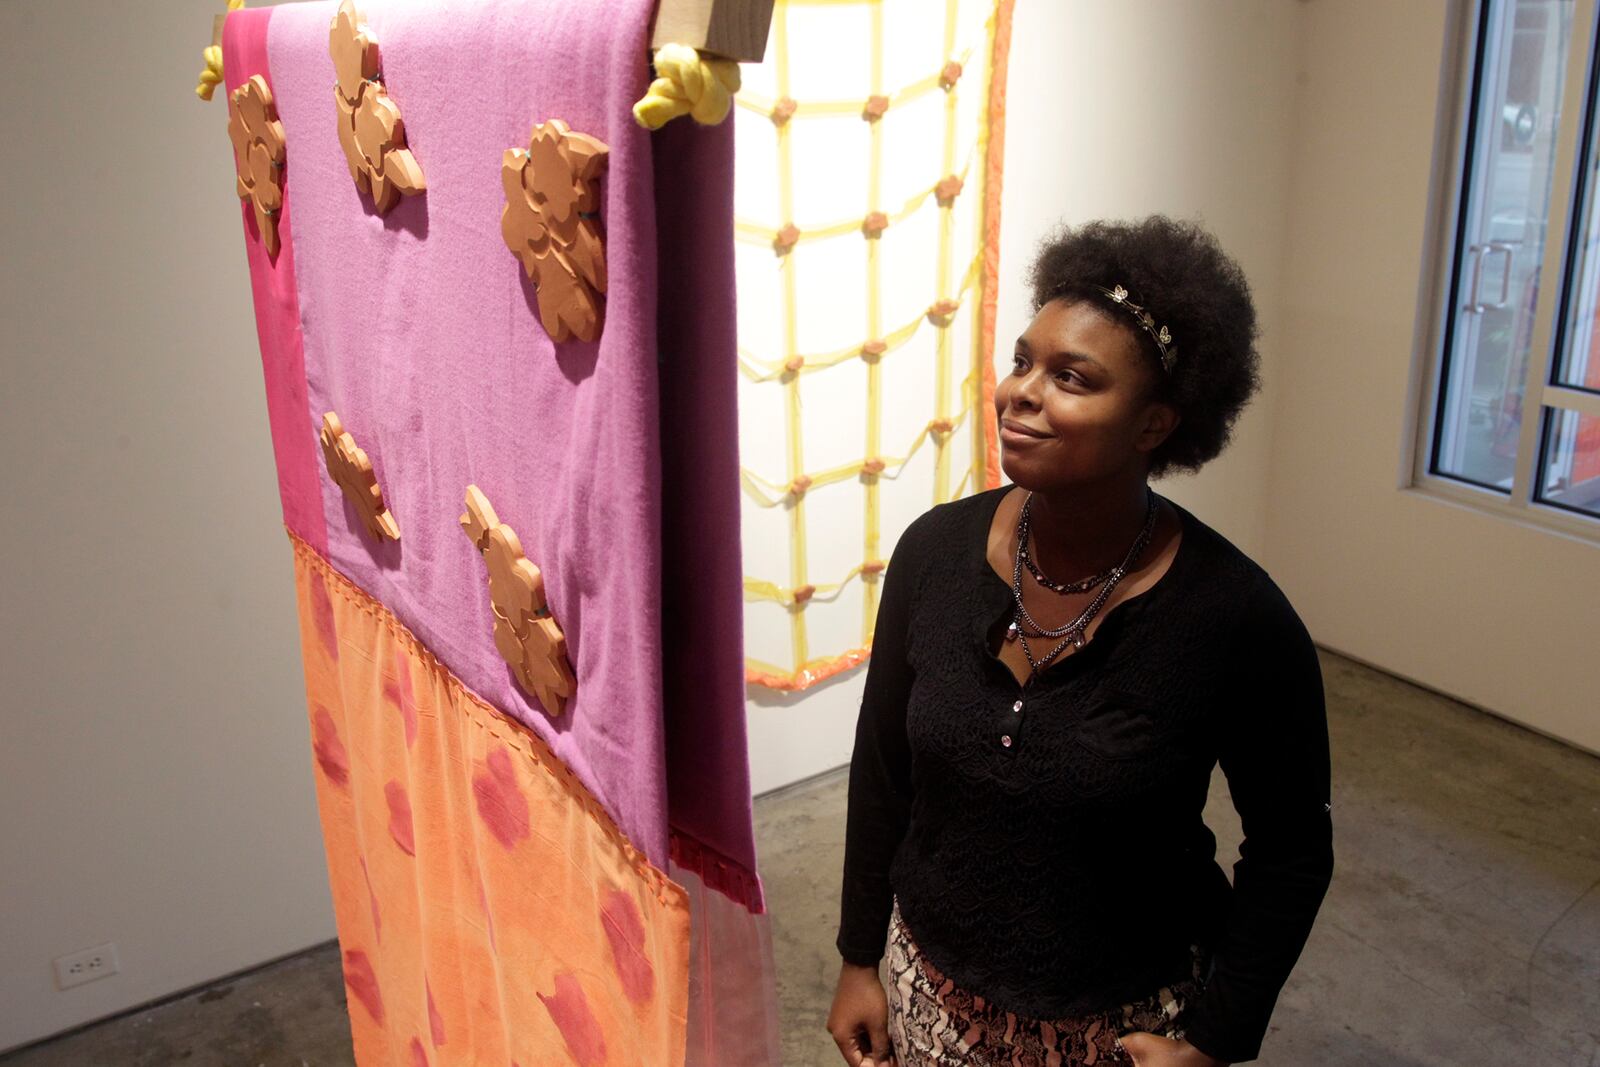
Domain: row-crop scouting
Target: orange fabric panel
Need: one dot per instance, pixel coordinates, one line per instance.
(489, 911)
(993, 166)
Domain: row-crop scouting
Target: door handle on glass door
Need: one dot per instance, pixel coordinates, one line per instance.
(1472, 307)
(1475, 304)
(1509, 248)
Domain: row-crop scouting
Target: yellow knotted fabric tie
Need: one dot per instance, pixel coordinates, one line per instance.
(211, 77)
(688, 83)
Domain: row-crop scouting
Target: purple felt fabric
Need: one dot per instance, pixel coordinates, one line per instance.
(420, 331)
(708, 766)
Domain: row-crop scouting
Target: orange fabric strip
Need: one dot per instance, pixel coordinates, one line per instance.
(993, 176)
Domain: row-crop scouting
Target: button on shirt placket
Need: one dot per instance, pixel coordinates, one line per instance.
(1008, 733)
(992, 605)
(1059, 675)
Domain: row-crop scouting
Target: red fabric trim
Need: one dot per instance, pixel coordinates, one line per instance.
(718, 872)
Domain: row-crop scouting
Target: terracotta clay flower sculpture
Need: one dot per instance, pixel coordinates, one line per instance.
(527, 637)
(948, 189)
(352, 472)
(942, 311)
(258, 154)
(785, 240)
(551, 222)
(370, 130)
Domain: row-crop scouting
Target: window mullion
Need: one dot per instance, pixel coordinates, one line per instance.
(1453, 138)
(1558, 236)
(1579, 400)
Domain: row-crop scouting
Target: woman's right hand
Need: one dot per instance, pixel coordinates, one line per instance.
(859, 1018)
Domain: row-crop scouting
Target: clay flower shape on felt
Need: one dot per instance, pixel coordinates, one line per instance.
(525, 634)
(258, 154)
(551, 222)
(370, 130)
(352, 472)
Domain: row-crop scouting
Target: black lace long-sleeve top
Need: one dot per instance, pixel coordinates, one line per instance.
(1070, 871)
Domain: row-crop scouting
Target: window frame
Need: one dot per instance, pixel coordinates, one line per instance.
(1460, 71)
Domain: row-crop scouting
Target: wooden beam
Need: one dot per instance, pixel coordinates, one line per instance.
(733, 29)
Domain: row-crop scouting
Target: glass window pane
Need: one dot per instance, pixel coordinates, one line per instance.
(1504, 220)
(1571, 474)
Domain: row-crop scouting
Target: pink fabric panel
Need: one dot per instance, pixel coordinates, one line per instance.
(272, 283)
(708, 766)
(421, 332)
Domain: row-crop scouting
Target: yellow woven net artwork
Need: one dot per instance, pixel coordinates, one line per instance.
(866, 269)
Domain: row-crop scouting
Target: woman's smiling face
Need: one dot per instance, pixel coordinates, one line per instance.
(1077, 404)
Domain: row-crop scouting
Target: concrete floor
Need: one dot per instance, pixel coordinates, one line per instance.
(1462, 928)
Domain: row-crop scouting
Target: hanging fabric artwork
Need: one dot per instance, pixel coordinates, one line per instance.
(534, 792)
(868, 203)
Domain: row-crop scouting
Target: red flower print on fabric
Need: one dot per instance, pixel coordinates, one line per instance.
(329, 750)
(363, 983)
(400, 817)
(624, 927)
(501, 805)
(569, 1010)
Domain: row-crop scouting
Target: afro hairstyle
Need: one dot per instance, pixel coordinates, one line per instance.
(1179, 273)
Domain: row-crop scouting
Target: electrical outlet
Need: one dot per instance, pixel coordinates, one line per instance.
(79, 967)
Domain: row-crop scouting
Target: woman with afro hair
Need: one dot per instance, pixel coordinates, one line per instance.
(1058, 665)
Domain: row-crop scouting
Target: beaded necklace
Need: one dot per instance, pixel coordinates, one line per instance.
(1023, 625)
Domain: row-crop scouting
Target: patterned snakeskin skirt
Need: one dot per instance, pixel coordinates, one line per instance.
(932, 1023)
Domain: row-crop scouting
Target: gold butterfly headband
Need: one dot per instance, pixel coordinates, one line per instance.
(1163, 337)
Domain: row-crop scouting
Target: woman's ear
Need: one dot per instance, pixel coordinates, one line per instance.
(1159, 420)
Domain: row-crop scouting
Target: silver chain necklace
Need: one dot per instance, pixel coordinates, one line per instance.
(1023, 625)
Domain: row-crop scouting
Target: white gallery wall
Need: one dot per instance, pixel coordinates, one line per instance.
(155, 774)
(154, 766)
